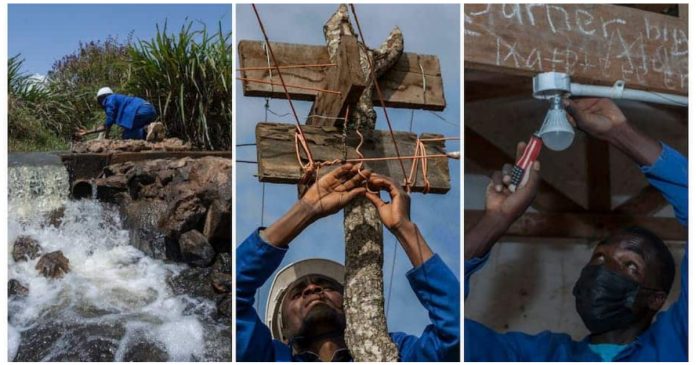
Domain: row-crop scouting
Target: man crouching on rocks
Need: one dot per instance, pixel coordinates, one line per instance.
(305, 309)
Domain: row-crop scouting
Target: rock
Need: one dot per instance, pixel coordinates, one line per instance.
(14, 287)
(195, 249)
(162, 199)
(224, 306)
(218, 222)
(193, 281)
(25, 248)
(53, 265)
(118, 145)
(55, 217)
(222, 283)
(145, 351)
(223, 263)
(74, 342)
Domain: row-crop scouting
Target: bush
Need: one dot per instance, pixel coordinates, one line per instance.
(188, 79)
(76, 77)
(31, 104)
(187, 76)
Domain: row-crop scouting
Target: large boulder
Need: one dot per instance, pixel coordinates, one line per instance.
(25, 248)
(53, 265)
(162, 199)
(195, 249)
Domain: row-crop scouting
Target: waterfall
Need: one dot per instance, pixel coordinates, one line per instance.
(115, 303)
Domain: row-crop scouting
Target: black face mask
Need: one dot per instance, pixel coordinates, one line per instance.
(604, 299)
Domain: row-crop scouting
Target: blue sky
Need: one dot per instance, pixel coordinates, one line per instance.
(429, 29)
(44, 33)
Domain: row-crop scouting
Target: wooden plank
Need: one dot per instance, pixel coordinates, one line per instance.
(347, 78)
(684, 12)
(489, 157)
(647, 202)
(277, 158)
(598, 175)
(402, 85)
(594, 43)
(583, 226)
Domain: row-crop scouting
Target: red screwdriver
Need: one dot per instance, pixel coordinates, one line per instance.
(531, 153)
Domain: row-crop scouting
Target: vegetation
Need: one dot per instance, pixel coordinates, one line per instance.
(187, 76)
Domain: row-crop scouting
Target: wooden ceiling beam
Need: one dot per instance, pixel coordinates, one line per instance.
(582, 225)
(594, 43)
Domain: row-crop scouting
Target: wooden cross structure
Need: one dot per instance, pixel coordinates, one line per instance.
(414, 82)
(507, 44)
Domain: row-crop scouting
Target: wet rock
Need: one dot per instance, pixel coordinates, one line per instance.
(195, 249)
(14, 287)
(53, 265)
(223, 263)
(37, 342)
(25, 248)
(224, 306)
(222, 283)
(193, 281)
(88, 343)
(145, 351)
(117, 145)
(166, 198)
(55, 217)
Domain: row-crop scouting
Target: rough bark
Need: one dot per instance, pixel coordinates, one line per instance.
(366, 333)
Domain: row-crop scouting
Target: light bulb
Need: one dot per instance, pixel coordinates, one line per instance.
(556, 132)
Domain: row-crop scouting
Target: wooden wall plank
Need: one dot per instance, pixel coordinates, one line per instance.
(595, 43)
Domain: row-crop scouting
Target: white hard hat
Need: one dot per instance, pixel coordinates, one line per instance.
(104, 91)
(288, 275)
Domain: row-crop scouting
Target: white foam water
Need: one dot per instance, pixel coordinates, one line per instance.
(114, 295)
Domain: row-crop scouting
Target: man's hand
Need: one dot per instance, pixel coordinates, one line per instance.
(327, 196)
(396, 213)
(396, 216)
(334, 190)
(598, 117)
(503, 207)
(602, 119)
(501, 202)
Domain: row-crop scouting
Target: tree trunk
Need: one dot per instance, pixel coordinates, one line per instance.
(366, 326)
(366, 333)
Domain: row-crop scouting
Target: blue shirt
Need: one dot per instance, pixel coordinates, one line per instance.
(607, 351)
(665, 340)
(435, 286)
(121, 109)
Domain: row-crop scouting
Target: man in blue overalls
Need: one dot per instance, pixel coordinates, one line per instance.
(305, 308)
(626, 280)
(133, 114)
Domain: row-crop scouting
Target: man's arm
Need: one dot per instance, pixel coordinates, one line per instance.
(436, 287)
(261, 253)
(665, 168)
(256, 261)
(503, 207)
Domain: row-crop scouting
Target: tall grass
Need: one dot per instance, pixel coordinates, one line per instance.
(187, 76)
(32, 106)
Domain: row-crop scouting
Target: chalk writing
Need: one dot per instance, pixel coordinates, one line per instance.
(588, 40)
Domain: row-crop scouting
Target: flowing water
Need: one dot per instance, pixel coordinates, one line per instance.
(115, 303)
